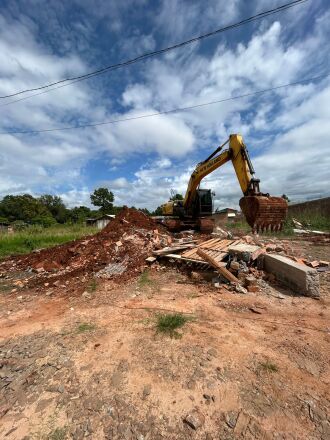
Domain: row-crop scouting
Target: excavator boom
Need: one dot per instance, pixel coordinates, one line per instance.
(261, 211)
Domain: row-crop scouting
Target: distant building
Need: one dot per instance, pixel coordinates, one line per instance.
(100, 222)
(5, 227)
(222, 216)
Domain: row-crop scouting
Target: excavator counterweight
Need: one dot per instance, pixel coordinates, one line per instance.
(262, 212)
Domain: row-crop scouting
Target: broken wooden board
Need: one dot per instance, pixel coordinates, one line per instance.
(170, 250)
(217, 265)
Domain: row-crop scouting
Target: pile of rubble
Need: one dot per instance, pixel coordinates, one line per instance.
(301, 230)
(118, 251)
(122, 249)
(240, 262)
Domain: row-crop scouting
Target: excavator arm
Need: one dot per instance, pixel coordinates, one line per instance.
(261, 211)
(238, 154)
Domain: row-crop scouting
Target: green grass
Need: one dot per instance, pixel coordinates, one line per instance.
(269, 367)
(92, 286)
(36, 237)
(169, 323)
(312, 220)
(86, 327)
(58, 434)
(144, 279)
(309, 220)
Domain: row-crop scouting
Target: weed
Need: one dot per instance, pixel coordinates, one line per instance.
(92, 286)
(269, 367)
(192, 295)
(29, 244)
(168, 323)
(86, 327)
(58, 434)
(144, 279)
(145, 321)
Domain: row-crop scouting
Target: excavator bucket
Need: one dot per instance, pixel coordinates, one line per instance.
(264, 213)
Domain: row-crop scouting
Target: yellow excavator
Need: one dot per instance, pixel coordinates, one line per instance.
(262, 212)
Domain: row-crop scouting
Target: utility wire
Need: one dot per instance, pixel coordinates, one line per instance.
(165, 112)
(160, 51)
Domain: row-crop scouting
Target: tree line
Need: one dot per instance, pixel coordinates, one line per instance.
(47, 210)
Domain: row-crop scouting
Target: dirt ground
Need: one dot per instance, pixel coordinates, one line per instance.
(252, 366)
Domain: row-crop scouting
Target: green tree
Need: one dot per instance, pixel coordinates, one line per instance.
(157, 211)
(55, 206)
(25, 208)
(177, 196)
(80, 214)
(145, 211)
(103, 198)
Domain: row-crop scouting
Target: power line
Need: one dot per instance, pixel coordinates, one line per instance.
(160, 51)
(165, 112)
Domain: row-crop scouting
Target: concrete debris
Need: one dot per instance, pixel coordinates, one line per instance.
(299, 278)
(195, 419)
(111, 269)
(240, 289)
(243, 251)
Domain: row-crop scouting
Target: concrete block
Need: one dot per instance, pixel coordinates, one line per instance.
(301, 279)
(243, 251)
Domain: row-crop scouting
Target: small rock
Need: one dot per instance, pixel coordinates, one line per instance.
(212, 352)
(20, 298)
(234, 265)
(146, 391)
(195, 419)
(86, 295)
(250, 281)
(151, 259)
(240, 289)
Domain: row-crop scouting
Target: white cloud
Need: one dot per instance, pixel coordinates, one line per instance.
(287, 130)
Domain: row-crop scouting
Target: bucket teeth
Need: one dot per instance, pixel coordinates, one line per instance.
(264, 214)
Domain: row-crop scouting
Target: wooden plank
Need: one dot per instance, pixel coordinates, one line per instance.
(169, 250)
(221, 256)
(186, 260)
(189, 252)
(221, 244)
(208, 243)
(228, 275)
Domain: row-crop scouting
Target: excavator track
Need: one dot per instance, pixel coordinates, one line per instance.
(264, 213)
(205, 225)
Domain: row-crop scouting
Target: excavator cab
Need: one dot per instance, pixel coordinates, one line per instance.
(203, 203)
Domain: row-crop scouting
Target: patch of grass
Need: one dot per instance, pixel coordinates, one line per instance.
(58, 434)
(144, 279)
(36, 237)
(145, 321)
(169, 323)
(269, 367)
(309, 220)
(86, 327)
(92, 286)
(192, 295)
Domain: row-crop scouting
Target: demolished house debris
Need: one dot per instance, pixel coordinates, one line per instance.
(241, 261)
(133, 241)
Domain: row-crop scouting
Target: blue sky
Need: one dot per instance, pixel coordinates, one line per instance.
(286, 131)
